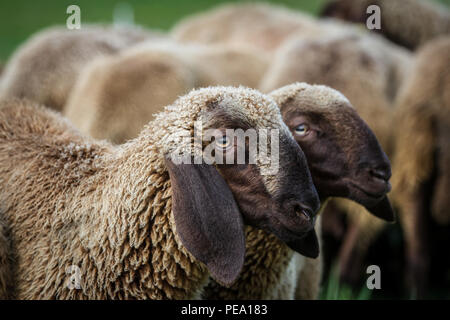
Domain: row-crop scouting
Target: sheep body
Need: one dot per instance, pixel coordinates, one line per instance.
(261, 25)
(46, 66)
(71, 201)
(421, 163)
(410, 23)
(130, 87)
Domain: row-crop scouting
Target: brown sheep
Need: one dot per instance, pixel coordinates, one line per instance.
(116, 96)
(422, 158)
(366, 71)
(337, 144)
(45, 67)
(409, 23)
(135, 221)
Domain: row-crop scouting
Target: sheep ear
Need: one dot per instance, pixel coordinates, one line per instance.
(307, 246)
(207, 219)
(383, 210)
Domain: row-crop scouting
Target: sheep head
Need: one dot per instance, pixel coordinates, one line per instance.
(344, 156)
(214, 191)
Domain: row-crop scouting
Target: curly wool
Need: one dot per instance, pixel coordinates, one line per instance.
(70, 200)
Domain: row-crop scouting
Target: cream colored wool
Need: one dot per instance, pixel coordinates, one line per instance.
(261, 25)
(410, 23)
(70, 200)
(46, 66)
(368, 72)
(269, 28)
(129, 88)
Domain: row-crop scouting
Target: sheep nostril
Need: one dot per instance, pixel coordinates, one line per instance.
(303, 213)
(380, 174)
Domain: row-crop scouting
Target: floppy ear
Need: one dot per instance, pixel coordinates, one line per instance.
(383, 210)
(207, 219)
(307, 246)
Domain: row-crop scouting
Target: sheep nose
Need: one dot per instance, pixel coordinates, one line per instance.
(304, 212)
(383, 173)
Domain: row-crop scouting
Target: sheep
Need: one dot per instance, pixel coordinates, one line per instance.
(114, 92)
(268, 28)
(409, 23)
(133, 220)
(421, 164)
(46, 66)
(98, 111)
(261, 25)
(334, 139)
(265, 27)
(363, 69)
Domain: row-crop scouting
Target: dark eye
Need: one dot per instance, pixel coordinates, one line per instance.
(223, 142)
(301, 129)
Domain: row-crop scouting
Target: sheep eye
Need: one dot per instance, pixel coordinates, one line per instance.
(301, 129)
(223, 142)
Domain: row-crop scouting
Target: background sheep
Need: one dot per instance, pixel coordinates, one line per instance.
(422, 159)
(114, 212)
(116, 96)
(46, 66)
(263, 26)
(335, 140)
(367, 72)
(409, 23)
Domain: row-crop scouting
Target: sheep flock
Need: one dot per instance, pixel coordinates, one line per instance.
(250, 152)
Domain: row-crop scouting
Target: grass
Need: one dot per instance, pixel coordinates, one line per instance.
(333, 289)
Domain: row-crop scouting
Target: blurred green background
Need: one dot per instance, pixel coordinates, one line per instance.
(21, 18)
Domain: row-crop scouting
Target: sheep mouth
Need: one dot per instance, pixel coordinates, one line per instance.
(286, 232)
(374, 195)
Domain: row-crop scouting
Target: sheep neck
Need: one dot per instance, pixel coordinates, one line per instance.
(145, 257)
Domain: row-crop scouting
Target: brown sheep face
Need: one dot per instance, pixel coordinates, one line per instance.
(228, 180)
(284, 202)
(285, 206)
(343, 154)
